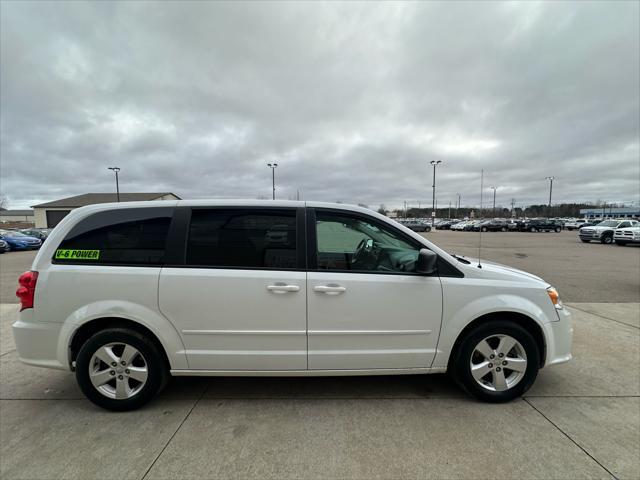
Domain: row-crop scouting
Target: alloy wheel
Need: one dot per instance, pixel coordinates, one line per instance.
(498, 363)
(118, 371)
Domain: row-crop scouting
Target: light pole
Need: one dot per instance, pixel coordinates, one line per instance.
(116, 170)
(273, 166)
(494, 200)
(551, 179)
(458, 207)
(433, 212)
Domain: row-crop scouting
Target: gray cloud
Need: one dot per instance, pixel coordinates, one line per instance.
(352, 100)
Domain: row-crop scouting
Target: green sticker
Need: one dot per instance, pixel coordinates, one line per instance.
(77, 254)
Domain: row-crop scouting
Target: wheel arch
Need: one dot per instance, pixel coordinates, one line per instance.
(526, 322)
(86, 330)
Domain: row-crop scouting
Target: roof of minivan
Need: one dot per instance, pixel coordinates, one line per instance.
(234, 203)
(93, 198)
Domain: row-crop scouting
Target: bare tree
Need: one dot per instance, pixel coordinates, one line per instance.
(3, 202)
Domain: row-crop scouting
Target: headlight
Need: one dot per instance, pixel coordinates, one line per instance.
(555, 298)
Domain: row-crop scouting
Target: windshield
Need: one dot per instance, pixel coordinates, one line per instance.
(608, 223)
(14, 234)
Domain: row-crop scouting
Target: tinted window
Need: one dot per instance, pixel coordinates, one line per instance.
(243, 238)
(346, 242)
(121, 236)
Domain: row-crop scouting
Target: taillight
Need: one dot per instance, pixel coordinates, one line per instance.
(27, 289)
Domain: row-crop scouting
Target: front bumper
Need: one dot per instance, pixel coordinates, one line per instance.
(626, 239)
(559, 337)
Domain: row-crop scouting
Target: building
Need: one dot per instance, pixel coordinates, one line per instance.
(16, 216)
(610, 212)
(48, 215)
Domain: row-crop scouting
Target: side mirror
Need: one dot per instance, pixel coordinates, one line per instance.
(426, 263)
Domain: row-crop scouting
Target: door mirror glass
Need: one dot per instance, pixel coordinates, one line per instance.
(426, 264)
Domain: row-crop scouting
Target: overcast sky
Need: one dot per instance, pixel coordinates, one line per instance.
(351, 100)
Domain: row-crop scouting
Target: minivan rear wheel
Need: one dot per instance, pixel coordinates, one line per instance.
(496, 361)
(120, 369)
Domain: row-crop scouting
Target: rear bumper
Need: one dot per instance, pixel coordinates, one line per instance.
(37, 342)
(559, 337)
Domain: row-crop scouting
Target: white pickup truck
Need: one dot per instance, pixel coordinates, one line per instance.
(624, 236)
(603, 232)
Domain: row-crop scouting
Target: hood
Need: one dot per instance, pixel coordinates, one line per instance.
(599, 228)
(498, 271)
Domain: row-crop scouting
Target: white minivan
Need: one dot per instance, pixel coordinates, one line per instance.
(126, 295)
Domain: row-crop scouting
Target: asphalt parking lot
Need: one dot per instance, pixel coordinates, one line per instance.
(580, 420)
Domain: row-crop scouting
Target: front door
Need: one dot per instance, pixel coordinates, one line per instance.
(239, 300)
(367, 308)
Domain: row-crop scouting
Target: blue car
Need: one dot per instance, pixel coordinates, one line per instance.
(20, 241)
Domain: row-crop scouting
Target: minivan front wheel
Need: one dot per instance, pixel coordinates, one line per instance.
(497, 361)
(120, 369)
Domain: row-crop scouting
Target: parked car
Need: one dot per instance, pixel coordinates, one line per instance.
(495, 225)
(40, 233)
(459, 226)
(626, 235)
(20, 241)
(128, 294)
(576, 224)
(417, 225)
(517, 225)
(603, 231)
(543, 225)
(470, 226)
(444, 224)
(4, 246)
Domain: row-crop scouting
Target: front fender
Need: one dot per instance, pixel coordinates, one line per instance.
(456, 319)
(110, 309)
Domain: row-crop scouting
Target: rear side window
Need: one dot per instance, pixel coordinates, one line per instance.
(135, 236)
(243, 238)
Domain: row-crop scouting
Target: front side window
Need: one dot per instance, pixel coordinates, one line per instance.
(243, 238)
(135, 236)
(351, 243)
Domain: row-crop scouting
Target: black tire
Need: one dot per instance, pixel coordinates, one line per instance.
(621, 243)
(533, 229)
(460, 365)
(484, 229)
(157, 375)
(503, 229)
(585, 241)
(606, 239)
(558, 229)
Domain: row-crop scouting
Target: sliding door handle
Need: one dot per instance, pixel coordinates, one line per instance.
(329, 289)
(283, 288)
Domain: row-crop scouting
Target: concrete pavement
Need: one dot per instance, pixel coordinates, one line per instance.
(580, 420)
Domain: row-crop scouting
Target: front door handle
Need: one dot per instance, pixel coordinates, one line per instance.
(329, 289)
(283, 288)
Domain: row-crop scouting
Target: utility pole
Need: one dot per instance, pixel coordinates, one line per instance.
(273, 167)
(551, 179)
(433, 212)
(116, 170)
(458, 208)
(513, 204)
(405, 209)
(494, 200)
(449, 209)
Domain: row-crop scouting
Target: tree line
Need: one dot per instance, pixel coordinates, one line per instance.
(541, 210)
